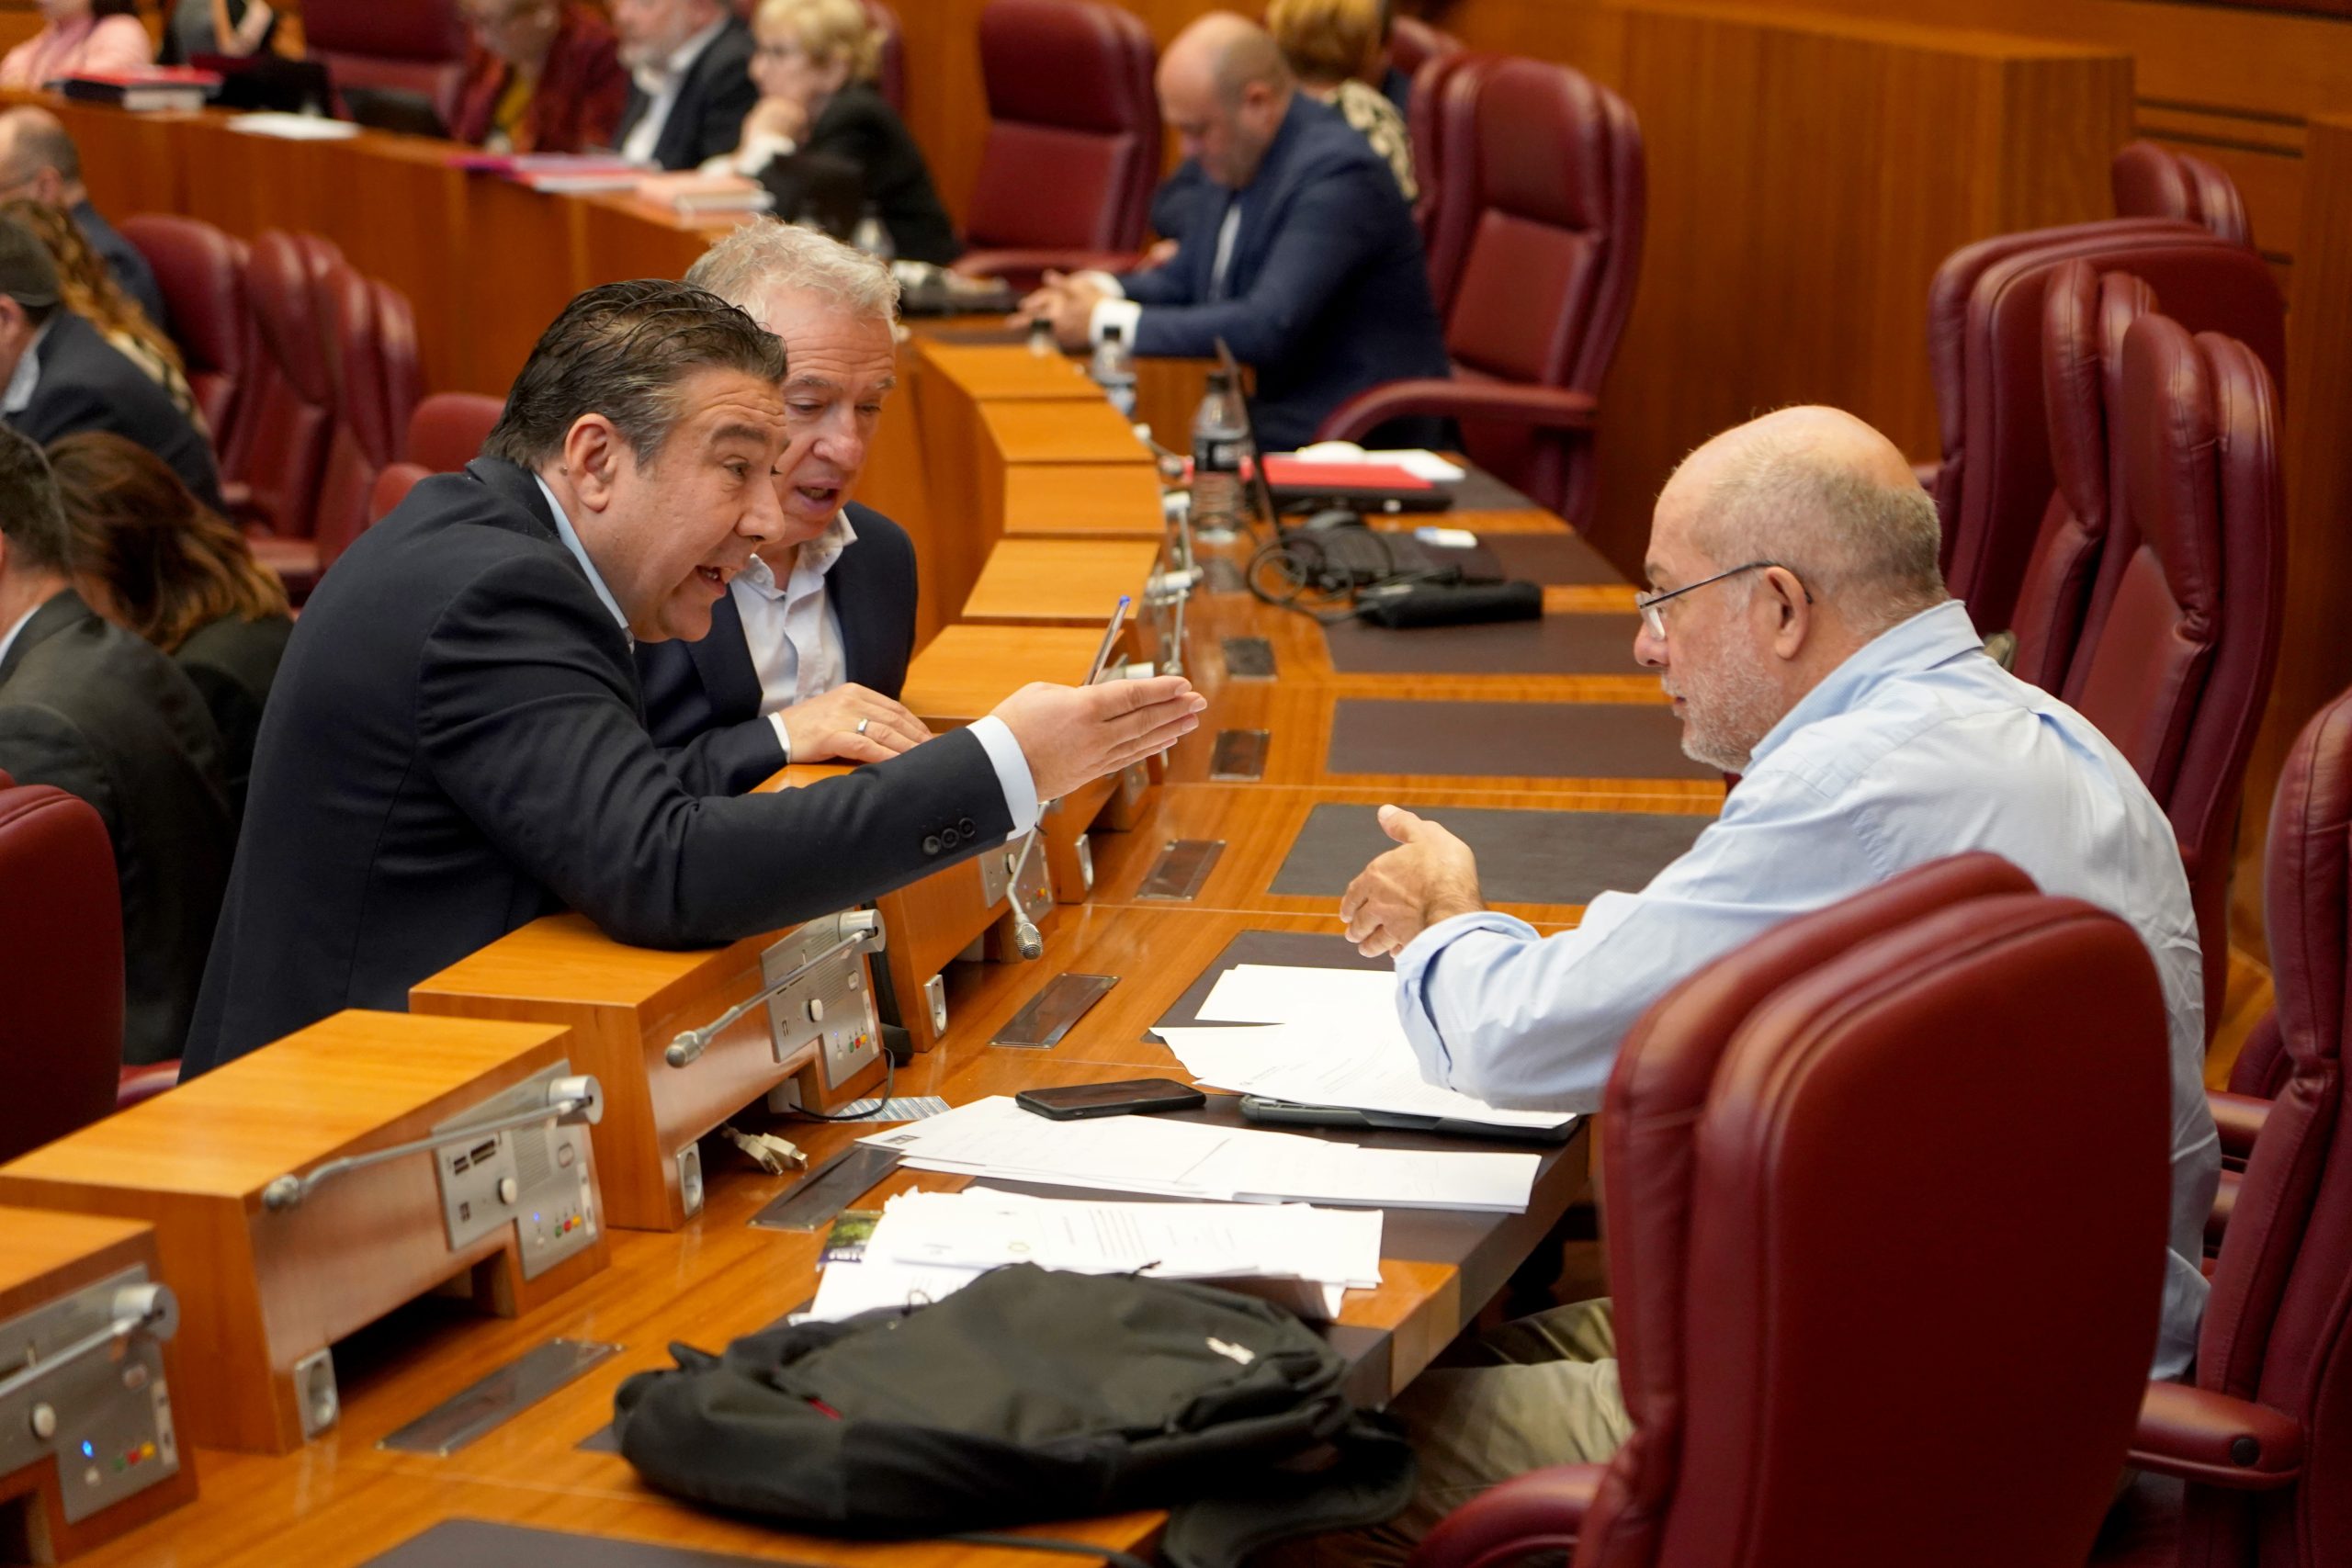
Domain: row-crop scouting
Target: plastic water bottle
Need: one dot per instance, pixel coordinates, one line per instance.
(1041, 338)
(1220, 441)
(872, 236)
(1114, 370)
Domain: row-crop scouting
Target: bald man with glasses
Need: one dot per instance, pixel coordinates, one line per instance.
(1798, 622)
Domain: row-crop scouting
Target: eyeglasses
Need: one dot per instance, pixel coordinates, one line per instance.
(1655, 619)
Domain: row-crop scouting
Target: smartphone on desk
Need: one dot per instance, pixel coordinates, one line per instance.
(1128, 1096)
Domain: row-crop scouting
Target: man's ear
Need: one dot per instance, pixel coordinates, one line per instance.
(594, 455)
(1790, 607)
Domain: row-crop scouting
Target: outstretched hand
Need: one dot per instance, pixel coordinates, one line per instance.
(1430, 876)
(1074, 735)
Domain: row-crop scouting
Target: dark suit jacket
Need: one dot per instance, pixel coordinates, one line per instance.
(1326, 294)
(707, 117)
(860, 127)
(232, 663)
(455, 745)
(126, 261)
(99, 712)
(86, 385)
(578, 98)
(702, 698)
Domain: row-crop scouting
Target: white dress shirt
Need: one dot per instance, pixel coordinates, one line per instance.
(1012, 775)
(1918, 746)
(792, 629)
(24, 379)
(660, 83)
(8, 640)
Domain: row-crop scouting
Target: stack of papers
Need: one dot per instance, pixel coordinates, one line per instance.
(1324, 1037)
(927, 1244)
(994, 1137)
(1421, 464)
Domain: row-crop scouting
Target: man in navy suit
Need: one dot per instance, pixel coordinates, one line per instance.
(1299, 251)
(808, 650)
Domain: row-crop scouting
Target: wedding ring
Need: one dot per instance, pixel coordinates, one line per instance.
(862, 724)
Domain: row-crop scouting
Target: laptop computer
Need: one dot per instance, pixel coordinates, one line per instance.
(395, 109)
(267, 82)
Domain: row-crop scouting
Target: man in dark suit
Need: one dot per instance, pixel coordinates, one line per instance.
(58, 376)
(1297, 251)
(39, 160)
(807, 651)
(454, 744)
(100, 713)
(690, 73)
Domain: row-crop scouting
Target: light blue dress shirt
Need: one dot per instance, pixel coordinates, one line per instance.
(994, 735)
(1918, 746)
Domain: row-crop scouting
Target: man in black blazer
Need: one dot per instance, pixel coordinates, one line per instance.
(454, 744)
(58, 376)
(807, 651)
(101, 714)
(1297, 248)
(690, 80)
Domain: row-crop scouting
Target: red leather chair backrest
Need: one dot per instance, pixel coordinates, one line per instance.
(2177, 674)
(1794, 1149)
(2156, 182)
(412, 45)
(1413, 44)
(1445, 93)
(2084, 320)
(61, 966)
(1539, 230)
(201, 271)
(2275, 1328)
(1985, 353)
(391, 488)
(1073, 138)
(447, 429)
(280, 443)
(376, 393)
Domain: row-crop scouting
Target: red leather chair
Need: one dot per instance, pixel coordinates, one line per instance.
(1073, 139)
(61, 966)
(2258, 1438)
(444, 434)
(202, 274)
(1540, 231)
(2156, 182)
(412, 46)
(274, 466)
(375, 394)
(1810, 1150)
(2178, 675)
(2084, 320)
(1413, 44)
(447, 429)
(1444, 92)
(1984, 319)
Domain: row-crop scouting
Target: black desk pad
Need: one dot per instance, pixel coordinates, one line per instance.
(1536, 740)
(1524, 857)
(478, 1543)
(1561, 558)
(1478, 491)
(1568, 644)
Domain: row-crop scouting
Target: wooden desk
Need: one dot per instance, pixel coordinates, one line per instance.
(1061, 583)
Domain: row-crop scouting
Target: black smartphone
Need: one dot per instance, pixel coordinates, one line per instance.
(1125, 1097)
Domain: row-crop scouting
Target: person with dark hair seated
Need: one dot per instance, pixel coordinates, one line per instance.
(150, 558)
(86, 288)
(95, 711)
(454, 744)
(815, 63)
(58, 375)
(541, 76)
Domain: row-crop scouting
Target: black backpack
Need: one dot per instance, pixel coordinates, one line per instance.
(1027, 1395)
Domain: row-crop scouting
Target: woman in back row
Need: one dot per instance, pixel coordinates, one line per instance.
(815, 67)
(150, 558)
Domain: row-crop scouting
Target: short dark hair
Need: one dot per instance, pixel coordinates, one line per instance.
(31, 520)
(621, 350)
